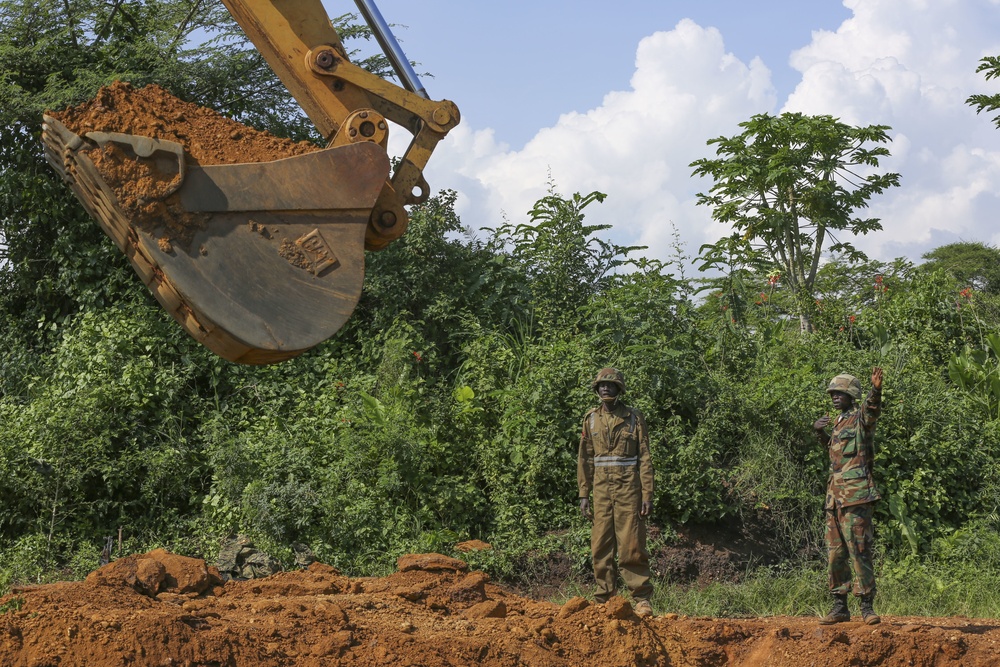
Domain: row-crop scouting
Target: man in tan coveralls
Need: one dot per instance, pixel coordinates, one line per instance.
(614, 462)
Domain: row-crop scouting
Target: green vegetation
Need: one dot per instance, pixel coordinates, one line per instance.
(788, 185)
(974, 264)
(449, 407)
(990, 67)
(957, 577)
(905, 589)
(13, 604)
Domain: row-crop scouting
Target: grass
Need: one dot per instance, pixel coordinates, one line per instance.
(904, 589)
(761, 593)
(940, 590)
(916, 589)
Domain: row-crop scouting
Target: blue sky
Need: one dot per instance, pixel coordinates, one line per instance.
(515, 66)
(621, 96)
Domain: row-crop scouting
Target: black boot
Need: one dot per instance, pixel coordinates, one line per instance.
(867, 611)
(839, 613)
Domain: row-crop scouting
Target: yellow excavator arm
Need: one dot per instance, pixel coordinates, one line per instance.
(275, 263)
(346, 103)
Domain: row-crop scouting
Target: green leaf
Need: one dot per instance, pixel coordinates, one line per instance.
(993, 340)
(898, 508)
(374, 409)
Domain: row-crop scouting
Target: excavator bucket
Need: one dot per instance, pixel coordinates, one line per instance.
(259, 261)
(257, 258)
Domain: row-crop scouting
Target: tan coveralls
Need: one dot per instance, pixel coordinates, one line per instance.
(614, 462)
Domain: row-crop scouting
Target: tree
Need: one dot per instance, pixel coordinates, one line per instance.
(440, 277)
(991, 66)
(974, 264)
(785, 185)
(566, 263)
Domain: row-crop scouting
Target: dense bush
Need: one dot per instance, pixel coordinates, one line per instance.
(450, 405)
(440, 415)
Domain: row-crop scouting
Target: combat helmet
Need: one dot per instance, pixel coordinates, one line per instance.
(847, 384)
(609, 375)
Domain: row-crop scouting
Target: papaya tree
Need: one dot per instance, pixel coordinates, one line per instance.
(790, 187)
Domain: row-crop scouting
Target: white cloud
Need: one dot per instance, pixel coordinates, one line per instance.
(909, 64)
(636, 146)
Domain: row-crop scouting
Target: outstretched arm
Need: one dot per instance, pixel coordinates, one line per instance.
(872, 406)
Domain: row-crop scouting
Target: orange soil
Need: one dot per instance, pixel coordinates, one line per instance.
(162, 609)
(207, 136)
(143, 189)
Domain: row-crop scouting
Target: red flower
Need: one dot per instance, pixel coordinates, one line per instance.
(851, 318)
(763, 297)
(967, 293)
(417, 355)
(773, 279)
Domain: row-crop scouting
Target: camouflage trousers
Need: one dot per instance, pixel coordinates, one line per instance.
(849, 541)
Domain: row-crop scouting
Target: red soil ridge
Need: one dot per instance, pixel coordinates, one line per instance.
(163, 609)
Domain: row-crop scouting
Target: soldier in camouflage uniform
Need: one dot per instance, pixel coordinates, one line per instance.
(851, 493)
(614, 463)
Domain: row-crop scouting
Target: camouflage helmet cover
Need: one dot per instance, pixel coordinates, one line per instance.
(847, 384)
(609, 375)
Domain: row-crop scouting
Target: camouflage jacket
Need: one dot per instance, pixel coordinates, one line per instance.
(617, 442)
(852, 453)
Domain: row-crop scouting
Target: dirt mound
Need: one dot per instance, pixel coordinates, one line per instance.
(145, 188)
(158, 571)
(134, 612)
(207, 136)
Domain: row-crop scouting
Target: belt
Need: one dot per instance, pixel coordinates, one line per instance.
(615, 461)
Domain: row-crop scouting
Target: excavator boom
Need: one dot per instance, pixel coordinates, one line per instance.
(273, 262)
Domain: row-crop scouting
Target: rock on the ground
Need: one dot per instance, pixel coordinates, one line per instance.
(430, 563)
(472, 545)
(157, 571)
